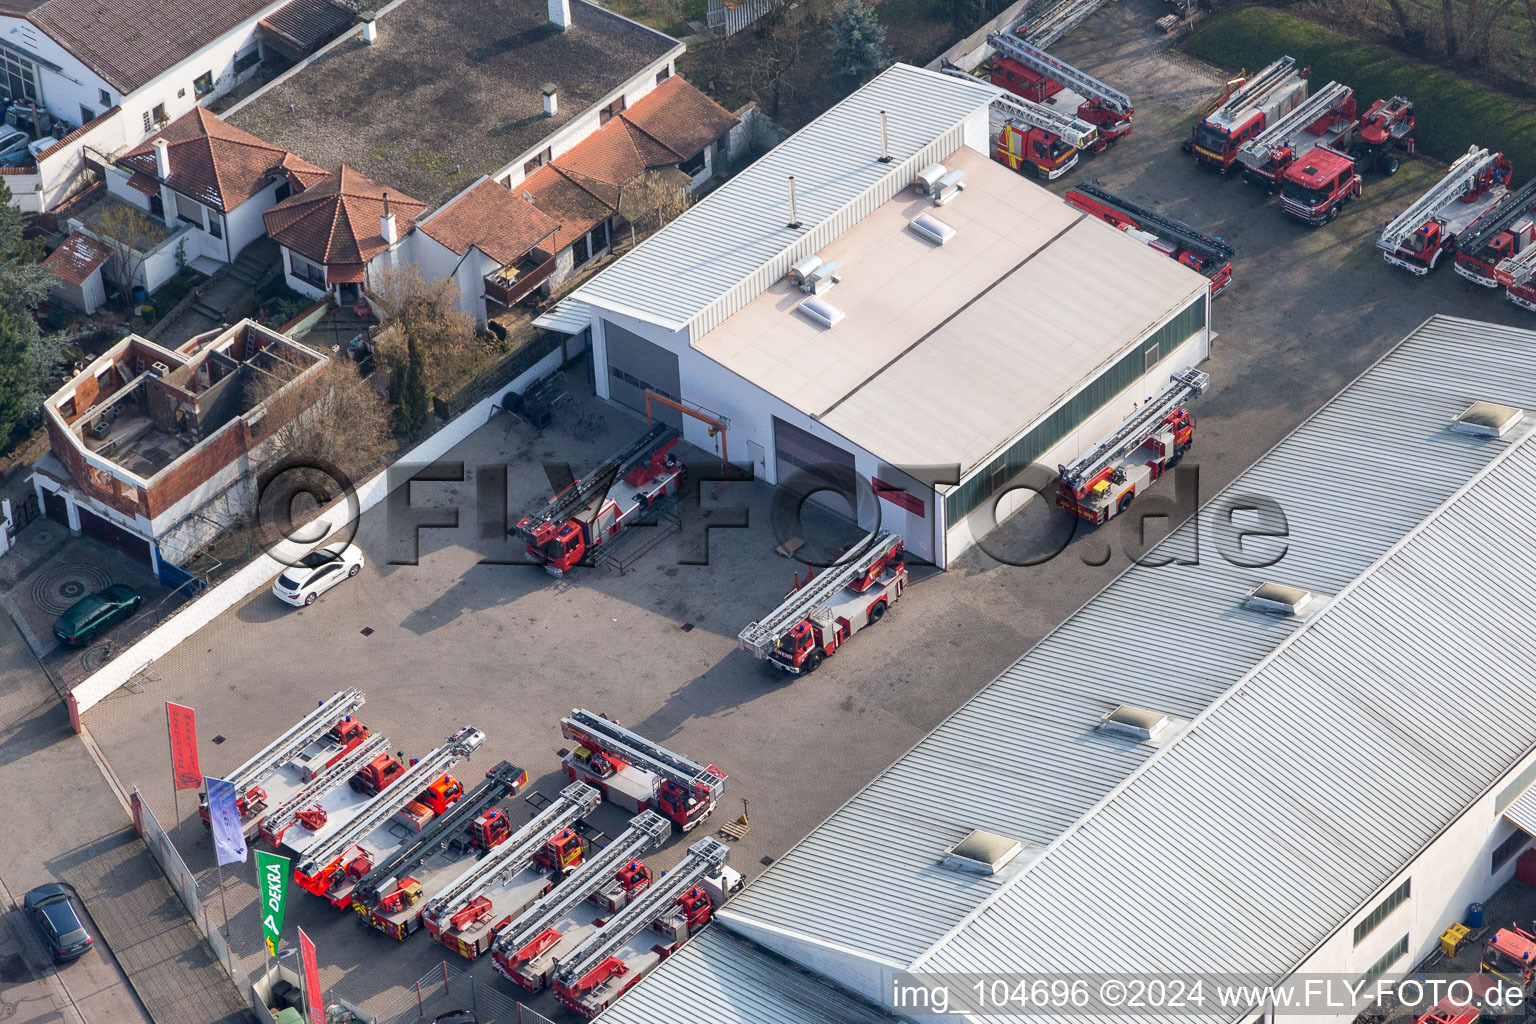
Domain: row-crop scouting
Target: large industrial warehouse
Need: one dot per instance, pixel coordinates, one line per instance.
(1268, 781)
(935, 364)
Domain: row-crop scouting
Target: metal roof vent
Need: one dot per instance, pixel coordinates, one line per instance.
(982, 853)
(1127, 720)
(1486, 419)
(1278, 599)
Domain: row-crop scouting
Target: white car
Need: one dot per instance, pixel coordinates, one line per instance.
(317, 572)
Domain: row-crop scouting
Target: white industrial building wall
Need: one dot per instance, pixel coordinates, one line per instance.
(64, 91)
(750, 410)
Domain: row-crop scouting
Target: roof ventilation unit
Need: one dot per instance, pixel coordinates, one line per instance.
(1138, 723)
(982, 853)
(928, 179)
(803, 270)
(948, 187)
(821, 312)
(1278, 599)
(931, 228)
(1486, 419)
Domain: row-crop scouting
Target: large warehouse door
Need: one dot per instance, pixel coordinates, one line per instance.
(810, 467)
(636, 366)
(115, 537)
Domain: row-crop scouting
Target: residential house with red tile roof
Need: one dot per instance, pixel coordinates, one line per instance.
(209, 183)
(146, 62)
(339, 228)
(76, 266)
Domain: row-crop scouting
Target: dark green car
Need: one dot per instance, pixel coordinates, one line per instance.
(91, 616)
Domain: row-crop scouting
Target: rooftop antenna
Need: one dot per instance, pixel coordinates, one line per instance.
(794, 218)
(885, 148)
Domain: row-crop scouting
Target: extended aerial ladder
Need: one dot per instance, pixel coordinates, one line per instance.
(307, 804)
(578, 518)
(1060, 20)
(679, 787)
(293, 748)
(1072, 130)
(1107, 107)
(317, 870)
(468, 915)
(500, 782)
(1479, 249)
(594, 974)
(1263, 153)
(1103, 480)
(1458, 181)
(1194, 248)
(532, 933)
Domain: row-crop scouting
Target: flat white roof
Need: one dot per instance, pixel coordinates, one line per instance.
(945, 353)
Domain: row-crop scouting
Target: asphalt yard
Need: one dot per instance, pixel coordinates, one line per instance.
(444, 639)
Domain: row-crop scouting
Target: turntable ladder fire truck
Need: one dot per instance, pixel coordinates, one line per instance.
(1518, 275)
(1101, 483)
(636, 774)
(1173, 238)
(1505, 231)
(1385, 128)
(1026, 69)
(474, 908)
(820, 614)
(1060, 20)
(333, 866)
(389, 897)
(583, 516)
(1261, 100)
(1419, 237)
(530, 947)
(1033, 135)
(1326, 118)
(282, 767)
(597, 972)
(329, 800)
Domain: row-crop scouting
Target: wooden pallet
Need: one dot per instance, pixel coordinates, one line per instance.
(734, 830)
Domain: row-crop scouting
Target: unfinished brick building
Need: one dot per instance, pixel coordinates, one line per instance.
(153, 447)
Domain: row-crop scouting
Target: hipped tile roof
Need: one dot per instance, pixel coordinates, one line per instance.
(336, 222)
(215, 163)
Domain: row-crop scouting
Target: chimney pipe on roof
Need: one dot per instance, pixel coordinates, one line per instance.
(551, 100)
(560, 14)
(794, 217)
(387, 223)
(885, 148)
(162, 159)
(370, 27)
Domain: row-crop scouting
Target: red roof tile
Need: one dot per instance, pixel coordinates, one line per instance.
(77, 259)
(336, 222)
(215, 163)
(493, 219)
(680, 117)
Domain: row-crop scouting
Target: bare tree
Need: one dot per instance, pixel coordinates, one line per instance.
(129, 234)
(425, 315)
(655, 198)
(334, 415)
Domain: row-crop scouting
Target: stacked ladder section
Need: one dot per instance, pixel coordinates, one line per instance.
(596, 484)
(1175, 232)
(502, 780)
(1072, 130)
(382, 807)
(1261, 148)
(1060, 20)
(1457, 181)
(761, 636)
(1036, 59)
(274, 824)
(1518, 269)
(1488, 226)
(1186, 384)
(705, 857)
(646, 832)
(295, 741)
(516, 852)
(589, 728)
(1256, 90)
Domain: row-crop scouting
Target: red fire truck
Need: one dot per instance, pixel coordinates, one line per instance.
(1173, 238)
(1505, 231)
(1314, 190)
(1262, 99)
(1422, 235)
(1027, 70)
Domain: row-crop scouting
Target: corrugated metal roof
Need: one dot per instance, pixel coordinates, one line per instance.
(1522, 813)
(1023, 759)
(733, 243)
(570, 316)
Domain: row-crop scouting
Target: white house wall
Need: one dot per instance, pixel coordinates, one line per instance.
(66, 90)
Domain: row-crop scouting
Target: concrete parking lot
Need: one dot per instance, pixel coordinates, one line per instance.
(448, 641)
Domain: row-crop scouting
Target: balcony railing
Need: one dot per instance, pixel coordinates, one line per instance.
(513, 284)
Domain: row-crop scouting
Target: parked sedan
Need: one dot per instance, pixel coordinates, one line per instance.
(317, 572)
(13, 147)
(52, 910)
(94, 614)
